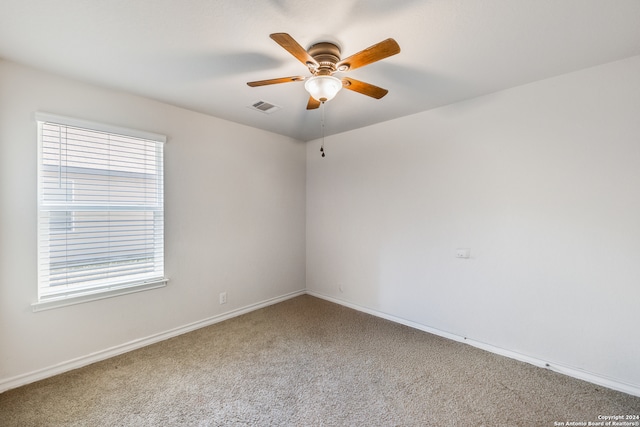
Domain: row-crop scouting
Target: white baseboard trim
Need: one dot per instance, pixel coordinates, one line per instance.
(79, 362)
(600, 380)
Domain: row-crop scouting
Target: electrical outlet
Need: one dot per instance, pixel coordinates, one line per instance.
(223, 297)
(463, 253)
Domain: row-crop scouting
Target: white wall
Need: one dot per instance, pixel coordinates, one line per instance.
(235, 222)
(541, 181)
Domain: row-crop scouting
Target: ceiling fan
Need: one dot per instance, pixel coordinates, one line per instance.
(323, 60)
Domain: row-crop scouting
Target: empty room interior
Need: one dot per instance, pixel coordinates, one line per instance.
(468, 174)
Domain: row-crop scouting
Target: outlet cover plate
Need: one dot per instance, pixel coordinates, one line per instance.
(463, 253)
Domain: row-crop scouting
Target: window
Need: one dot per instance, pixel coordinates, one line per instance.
(100, 210)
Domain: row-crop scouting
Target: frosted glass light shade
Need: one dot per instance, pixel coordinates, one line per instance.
(323, 88)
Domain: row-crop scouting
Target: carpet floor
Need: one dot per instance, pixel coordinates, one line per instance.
(309, 362)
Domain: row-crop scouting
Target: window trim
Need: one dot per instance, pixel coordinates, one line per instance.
(108, 291)
(95, 294)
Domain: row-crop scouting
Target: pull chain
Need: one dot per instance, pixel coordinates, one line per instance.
(322, 127)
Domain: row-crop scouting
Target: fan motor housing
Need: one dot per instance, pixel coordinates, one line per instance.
(327, 55)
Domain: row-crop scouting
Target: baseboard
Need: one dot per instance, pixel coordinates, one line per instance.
(79, 362)
(600, 380)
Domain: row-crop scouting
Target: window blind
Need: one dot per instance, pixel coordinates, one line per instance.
(101, 208)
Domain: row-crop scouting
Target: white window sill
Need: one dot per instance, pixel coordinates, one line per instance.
(66, 300)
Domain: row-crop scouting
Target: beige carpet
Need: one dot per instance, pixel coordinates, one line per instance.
(308, 362)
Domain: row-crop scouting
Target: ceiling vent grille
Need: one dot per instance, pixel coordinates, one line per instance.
(264, 107)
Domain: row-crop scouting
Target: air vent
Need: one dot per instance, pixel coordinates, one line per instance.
(264, 107)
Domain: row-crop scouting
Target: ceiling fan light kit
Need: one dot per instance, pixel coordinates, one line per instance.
(323, 88)
(323, 60)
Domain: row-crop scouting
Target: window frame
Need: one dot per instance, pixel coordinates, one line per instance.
(80, 294)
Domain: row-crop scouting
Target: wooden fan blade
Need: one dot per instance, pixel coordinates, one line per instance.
(374, 53)
(275, 81)
(313, 103)
(363, 88)
(294, 48)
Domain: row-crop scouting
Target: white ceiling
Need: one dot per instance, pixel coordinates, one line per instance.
(199, 54)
